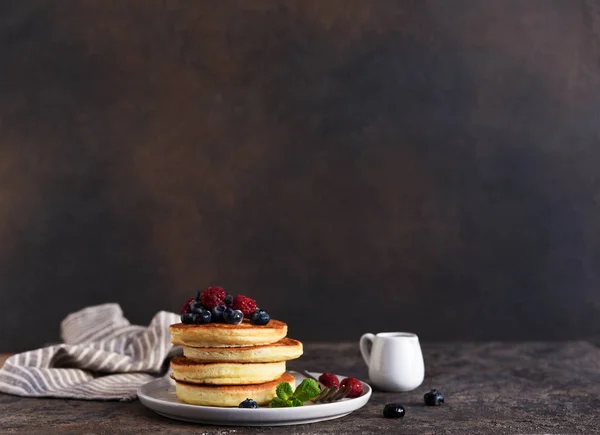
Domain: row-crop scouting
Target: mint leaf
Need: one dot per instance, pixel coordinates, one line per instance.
(307, 389)
(277, 402)
(287, 397)
(284, 391)
(296, 402)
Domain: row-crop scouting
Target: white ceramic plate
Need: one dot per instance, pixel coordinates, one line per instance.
(159, 396)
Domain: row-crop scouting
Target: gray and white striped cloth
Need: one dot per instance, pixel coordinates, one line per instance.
(103, 357)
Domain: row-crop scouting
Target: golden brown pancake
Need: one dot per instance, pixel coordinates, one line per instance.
(225, 373)
(227, 335)
(283, 350)
(230, 396)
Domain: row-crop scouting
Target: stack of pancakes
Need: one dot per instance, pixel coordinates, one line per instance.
(224, 364)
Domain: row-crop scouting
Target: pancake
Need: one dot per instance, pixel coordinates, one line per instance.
(227, 335)
(230, 396)
(283, 350)
(225, 373)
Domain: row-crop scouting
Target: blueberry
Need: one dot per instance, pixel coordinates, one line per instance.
(393, 410)
(259, 317)
(196, 307)
(237, 317)
(217, 313)
(228, 299)
(248, 403)
(227, 312)
(433, 398)
(188, 318)
(233, 316)
(202, 317)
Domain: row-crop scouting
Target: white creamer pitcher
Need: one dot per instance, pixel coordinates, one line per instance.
(395, 360)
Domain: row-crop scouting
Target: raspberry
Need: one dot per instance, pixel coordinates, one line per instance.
(187, 306)
(212, 296)
(355, 387)
(244, 304)
(329, 380)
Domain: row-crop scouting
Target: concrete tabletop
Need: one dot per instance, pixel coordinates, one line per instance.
(490, 388)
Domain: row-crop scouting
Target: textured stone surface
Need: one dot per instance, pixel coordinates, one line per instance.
(490, 388)
(421, 151)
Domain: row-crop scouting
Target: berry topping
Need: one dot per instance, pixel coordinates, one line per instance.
(214, 304)
(188, 318)
(196, 318)
(329, 380)
(260, 317)
(248, 403)
(393, 410)
(186, 308)
(234, 317)
(355, 387)
(217, 313)
(244, 304)
(212, 296)
(204, 317)
(433, 398)
(196, 307)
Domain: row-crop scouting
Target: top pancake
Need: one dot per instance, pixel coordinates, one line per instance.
(227, 335)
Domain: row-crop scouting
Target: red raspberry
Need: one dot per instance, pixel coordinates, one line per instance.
(244, 304)
(356, 387)
(212, 296)
(329, 380)
(186, 307)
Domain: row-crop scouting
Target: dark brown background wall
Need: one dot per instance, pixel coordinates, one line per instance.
(355, 165)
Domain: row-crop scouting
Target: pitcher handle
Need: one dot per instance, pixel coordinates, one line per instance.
(364, 350)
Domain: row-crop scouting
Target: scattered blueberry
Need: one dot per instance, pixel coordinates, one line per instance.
(248, 403)
(233, 316)
(188, 318)
(393, 410)
(433, 398)
(217, 313)
(259, 317)
(228, 299)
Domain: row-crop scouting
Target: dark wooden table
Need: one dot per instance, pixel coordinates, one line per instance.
(490, 388)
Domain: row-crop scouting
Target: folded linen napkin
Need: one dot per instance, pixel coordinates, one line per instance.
(103, 357)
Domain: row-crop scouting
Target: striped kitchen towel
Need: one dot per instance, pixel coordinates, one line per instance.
(103, 357)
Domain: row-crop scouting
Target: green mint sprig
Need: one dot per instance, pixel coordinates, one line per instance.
(287, 397)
